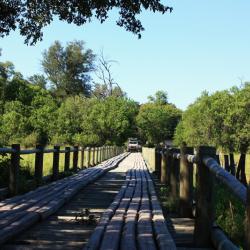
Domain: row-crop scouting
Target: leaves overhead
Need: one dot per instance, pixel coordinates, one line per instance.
(31, 16)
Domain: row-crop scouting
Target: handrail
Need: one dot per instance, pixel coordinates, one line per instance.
(237, 188)
(33, 151)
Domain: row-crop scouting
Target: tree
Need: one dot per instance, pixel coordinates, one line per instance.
(30, 17)
(108, 86)
(38, 80)
(161, 97)
(157, 122)
(68, 68)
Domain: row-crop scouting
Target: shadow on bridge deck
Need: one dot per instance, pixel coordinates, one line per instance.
(62, 230)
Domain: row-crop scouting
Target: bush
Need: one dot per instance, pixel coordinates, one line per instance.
(230, 214)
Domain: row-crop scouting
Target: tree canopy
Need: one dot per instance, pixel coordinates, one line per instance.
(68, 68)
(30, 17)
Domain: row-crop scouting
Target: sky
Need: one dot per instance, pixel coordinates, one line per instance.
(201, 45)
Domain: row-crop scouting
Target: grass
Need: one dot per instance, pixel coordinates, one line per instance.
(29, 161)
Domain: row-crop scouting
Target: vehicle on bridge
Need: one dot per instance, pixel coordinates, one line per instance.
(134, 145)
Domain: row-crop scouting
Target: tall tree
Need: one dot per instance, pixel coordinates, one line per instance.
(30, 17)
(68, 68)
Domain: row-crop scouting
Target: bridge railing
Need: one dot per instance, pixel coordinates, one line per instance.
(175, 167)
(81, 157)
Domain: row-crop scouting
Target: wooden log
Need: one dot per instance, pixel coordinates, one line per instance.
(39, 164)
(67, 159)
(55, 168)
(204, 199)
(164, 157)
(14, 170)
(82, 157)
(220, 240)
(186, 183)
(247, 228)
(174, 176)
(226, 163)
(75, 158)
(88, 157)
(224, 177)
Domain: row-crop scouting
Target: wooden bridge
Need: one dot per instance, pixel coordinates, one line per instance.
(114, 205)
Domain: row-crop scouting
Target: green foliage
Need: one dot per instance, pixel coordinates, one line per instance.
(68, 68)
(157, 121)
(230, 214)
(221, 119)
(30, 17)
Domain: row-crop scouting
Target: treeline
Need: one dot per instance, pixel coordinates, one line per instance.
(221, 119)
(64, 106)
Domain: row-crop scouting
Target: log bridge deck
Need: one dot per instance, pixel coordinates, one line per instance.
(123, 212)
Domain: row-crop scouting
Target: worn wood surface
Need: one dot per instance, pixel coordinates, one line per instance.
(62, 230)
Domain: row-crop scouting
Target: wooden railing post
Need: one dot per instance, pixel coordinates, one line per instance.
(174, 175)
(186, 183)
(247, 230)
(97, 155)
(82, 157)
(93, 156)
(14, 170)
(204, 199)
(39, 164)
(55, 168)
(67, 159)
(88, 156)
(75, 158)
(163, 166)
(158, 162)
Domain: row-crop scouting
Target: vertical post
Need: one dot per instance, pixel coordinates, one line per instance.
(158, 162)
(247, 232)
(93, 157)
(67, 159)
(163, 166)
(174, 175)
(97, 155)
(204, 199)
(226, 163)
(82, 157)
(39, 164)
(88, 157)
(186, 183)
(75, 158)
(55, 168)
(14, 170)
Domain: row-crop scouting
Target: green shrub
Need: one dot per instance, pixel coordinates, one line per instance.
(230, 214)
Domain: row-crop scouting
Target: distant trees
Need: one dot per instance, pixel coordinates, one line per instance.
(221, 119)
(157, 119)
(68, 68)
(30, 17)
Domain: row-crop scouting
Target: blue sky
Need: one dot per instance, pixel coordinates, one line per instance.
(202, 45)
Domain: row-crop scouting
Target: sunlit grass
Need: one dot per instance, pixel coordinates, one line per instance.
(29, 161)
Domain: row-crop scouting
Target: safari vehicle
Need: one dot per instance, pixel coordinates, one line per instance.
(133, 145)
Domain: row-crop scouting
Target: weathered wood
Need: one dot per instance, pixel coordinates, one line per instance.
(226, 163)
(237, 188)
(174, 176)
(75, 158)
(247, 228)
(88, 156)
(204, 199)
(14, 170)
(55, 168)
(39, 164)
(220, 240)
(82, 157)
(186, 183)
(164, 166)
(67, 159)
